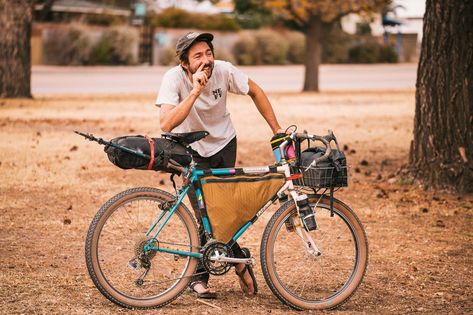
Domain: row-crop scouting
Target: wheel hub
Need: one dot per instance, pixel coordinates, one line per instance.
(140, 249)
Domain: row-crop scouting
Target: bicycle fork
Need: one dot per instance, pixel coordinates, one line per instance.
(302, 232)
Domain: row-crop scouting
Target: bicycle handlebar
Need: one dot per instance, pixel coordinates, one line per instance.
(324, 139)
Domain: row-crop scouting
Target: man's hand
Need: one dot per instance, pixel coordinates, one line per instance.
(199, 79)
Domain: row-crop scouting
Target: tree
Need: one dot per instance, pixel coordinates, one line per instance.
(252, 14)
(15, 50)
(310, 15)
(441, 153)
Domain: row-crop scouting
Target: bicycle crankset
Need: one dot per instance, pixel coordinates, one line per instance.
(210, 251)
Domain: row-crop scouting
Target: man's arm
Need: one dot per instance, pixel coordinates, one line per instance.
(171, 116)
(264, 106)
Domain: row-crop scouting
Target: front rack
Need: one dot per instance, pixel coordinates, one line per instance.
(321, 177)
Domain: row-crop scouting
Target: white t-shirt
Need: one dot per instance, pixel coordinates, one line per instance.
(209, 111)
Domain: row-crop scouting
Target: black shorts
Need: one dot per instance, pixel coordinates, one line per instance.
(224, 158)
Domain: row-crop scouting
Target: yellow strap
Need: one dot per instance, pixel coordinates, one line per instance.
(279, 139)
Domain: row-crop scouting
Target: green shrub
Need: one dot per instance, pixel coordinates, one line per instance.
(104, 20)
(271, 47)
(261, 47)
(178, 18)
(224, 55)
(335, 44)
(363, 53)
(167, 56)
(69, 45)
(173, 18)
(296, 47)
(251, 14)
(244, 50)
(219, 22)
(363, 28)
(387, 54)
(116, 46)
(371, 52)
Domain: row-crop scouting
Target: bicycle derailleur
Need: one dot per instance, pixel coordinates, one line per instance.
(142, 259)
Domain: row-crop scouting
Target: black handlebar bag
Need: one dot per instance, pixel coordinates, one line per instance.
(164, 151)
(329, 173)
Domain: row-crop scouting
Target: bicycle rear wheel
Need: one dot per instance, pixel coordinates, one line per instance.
(305, 281)
(116, 237)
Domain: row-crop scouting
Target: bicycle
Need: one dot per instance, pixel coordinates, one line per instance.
(142, 247)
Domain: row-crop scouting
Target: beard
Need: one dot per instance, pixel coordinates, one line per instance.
(208, 68)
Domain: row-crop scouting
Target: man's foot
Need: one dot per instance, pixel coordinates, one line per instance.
(246, 276)
(200, 290)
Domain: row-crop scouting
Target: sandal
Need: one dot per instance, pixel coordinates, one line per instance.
(244, 286)
(202, 295)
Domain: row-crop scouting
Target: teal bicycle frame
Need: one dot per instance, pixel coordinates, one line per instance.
(192, 176)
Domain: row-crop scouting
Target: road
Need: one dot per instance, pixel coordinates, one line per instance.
(52, 80)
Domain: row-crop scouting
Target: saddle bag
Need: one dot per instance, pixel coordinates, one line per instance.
(325, 174)
(164, 150)
(233, 201)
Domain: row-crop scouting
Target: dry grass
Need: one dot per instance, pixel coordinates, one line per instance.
(420, 241)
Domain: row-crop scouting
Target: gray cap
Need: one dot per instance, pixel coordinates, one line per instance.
(187, 40)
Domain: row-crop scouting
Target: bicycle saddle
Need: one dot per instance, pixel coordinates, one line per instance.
(185, 138)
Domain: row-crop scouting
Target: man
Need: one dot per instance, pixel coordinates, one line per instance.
(192, 97)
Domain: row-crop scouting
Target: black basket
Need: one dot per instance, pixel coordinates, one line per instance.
(321, 177)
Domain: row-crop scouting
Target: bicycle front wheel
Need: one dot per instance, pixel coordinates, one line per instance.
(117, 237)
(321, 280)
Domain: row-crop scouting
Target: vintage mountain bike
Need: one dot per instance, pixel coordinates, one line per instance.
(142, 247)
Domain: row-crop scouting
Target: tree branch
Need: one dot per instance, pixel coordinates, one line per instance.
(299, 20)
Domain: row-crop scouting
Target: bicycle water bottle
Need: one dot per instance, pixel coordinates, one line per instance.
(306, 213)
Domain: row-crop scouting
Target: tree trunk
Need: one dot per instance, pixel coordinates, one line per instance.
(442, 151)
(15, 49)
(312, 53)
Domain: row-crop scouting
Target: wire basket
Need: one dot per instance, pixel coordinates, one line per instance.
(321, 177)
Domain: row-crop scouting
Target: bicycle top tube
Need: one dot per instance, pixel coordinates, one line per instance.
(240, 171)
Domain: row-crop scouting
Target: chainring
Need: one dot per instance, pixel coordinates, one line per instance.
(216, 268)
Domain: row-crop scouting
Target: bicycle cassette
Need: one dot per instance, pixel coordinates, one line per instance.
(139, 248)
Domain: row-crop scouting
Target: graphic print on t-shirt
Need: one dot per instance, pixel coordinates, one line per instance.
(217, 93)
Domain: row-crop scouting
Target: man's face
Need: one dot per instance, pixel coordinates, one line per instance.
(200, 53)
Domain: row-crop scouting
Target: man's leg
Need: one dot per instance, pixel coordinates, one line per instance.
(225, 158)
(201, 274)
(228, 154)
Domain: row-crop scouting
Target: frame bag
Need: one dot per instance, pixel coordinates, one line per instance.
(233, 201)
